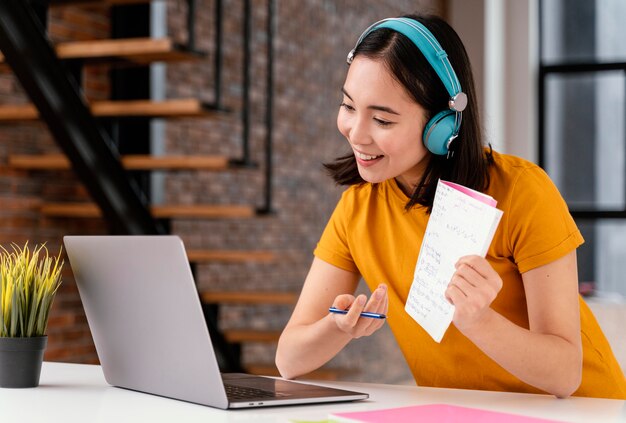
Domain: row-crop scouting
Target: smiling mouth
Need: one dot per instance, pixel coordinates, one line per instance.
(366, 157)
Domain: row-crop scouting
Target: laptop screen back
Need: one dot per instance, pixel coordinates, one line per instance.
(145, 316)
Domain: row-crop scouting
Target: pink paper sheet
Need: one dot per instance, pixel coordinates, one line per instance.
(439, 413)
(474, 194)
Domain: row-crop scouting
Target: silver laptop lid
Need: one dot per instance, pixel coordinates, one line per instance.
(145, 316)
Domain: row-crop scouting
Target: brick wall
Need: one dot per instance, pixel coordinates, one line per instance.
(313, 38)
(311, 43)
(22, 192)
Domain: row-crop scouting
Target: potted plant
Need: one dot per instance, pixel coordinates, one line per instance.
(28, 285)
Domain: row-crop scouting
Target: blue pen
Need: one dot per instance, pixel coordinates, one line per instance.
(363, 314)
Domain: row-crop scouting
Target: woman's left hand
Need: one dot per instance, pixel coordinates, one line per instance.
(471, 290)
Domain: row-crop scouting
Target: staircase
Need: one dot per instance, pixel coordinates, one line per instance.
(123, 117)
(131, 51)
(185, 108)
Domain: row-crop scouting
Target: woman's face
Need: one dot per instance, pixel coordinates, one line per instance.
(383, 125)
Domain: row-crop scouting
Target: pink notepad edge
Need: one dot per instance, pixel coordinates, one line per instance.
(483, 198)
(440, 413)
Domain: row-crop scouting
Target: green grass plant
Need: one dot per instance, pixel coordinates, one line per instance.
(28, 285)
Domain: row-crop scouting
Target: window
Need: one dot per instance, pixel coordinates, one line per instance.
(582, 120)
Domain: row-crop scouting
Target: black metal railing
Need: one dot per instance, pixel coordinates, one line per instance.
(269, 111)
(245, 160)
(54, 88)
(54, 92)
(217, 75)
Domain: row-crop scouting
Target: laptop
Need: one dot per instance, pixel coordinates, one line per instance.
(145, 316)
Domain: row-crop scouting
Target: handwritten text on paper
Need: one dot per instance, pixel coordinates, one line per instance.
(461, 223)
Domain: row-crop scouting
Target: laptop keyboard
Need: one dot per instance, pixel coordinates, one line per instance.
(234, 392)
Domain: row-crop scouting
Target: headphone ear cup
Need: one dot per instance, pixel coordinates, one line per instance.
(438, 132)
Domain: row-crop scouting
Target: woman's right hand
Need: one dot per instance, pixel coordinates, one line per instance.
(352, 323)
(313, 336)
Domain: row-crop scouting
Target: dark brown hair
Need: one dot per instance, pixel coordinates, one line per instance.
(469, 165)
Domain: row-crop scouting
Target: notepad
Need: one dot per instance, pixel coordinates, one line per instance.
(440, 413)
(462, 222)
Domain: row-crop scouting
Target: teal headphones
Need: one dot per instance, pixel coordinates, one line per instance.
(444, 127)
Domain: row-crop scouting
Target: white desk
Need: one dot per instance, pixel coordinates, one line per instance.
(78, 393)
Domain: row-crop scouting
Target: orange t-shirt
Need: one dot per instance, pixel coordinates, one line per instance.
(370, 233)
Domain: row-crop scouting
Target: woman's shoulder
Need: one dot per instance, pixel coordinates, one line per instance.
(520, 180)
(356, 192)
(508, 171)
(361, 200)
(369, 191)
(353, 196)
(511, 164)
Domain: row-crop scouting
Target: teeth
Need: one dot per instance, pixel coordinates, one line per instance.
(365, 156)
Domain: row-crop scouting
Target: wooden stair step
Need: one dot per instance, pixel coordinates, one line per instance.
(130, 162)
(202, 211)
(91, 210)
(319, 374)
(248, 335)
(138, 51)
(18, 112)
(147, 108)
(178, 108)
(133, 50)
(252, 298)
(226, 256)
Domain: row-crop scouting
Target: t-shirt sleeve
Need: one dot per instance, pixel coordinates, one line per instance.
(333, 246)
(541, 228)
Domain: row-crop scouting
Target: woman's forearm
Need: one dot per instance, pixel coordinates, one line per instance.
(545, 361)
(304, 348)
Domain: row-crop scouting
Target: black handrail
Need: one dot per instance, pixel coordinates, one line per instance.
(191, 24)
(51, 88)
(245, 161)
(40, 8)
(217, 76)
(269, 110)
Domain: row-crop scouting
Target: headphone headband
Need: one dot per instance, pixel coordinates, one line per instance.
(436, 56)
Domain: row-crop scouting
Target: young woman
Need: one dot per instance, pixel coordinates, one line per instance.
(519, 323)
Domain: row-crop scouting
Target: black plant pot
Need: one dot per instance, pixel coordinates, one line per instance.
(20, 361)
